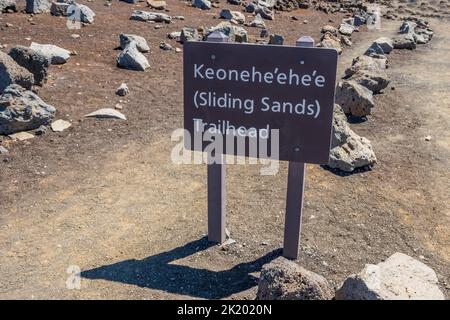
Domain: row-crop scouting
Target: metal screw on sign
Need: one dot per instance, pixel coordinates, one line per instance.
(217, 180)
(295, 191)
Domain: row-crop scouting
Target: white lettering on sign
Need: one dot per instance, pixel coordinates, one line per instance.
(227, 101)
(252, 75)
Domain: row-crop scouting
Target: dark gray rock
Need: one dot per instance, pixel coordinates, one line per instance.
(23, 110)
(122, 90)
(202, 4)
(276, 39)
(59, 9)
(283, 279)
(38, 6)
(33, 61)
(11, 72)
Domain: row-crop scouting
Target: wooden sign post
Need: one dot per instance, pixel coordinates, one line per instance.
(247, 91)
(295, 193)
(217, 184)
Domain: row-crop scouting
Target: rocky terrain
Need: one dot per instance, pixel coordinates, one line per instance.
(90, 92)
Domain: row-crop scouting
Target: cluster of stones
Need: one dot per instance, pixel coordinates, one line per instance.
(400, 277)
(354, 94)
(22, 70)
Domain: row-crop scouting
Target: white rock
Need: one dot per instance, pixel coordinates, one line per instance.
(21, 136)
(400, 277)
(346, 29)
(80, 12)
(60, 125)
(54, 54)
(140, 15)
(141, 43)
(132, 59)
(349, 150)
(106, 113)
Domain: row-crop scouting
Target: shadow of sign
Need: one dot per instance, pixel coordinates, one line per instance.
(157, 272)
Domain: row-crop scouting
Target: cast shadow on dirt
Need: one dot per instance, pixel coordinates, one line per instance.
(157, 272)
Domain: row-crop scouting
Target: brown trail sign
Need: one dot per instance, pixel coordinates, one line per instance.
(278, 97)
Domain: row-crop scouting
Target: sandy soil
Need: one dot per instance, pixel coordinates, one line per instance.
(104, 195)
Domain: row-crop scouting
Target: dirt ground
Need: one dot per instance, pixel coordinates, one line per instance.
(104, 196)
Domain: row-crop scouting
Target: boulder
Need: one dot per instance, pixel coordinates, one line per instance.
(407, 27)
(283, 279)
(346, 29)
(33, 61)
(175, 35)
(140, 15)
(405, 41)
(233, 32)
(374, 81)
(263, 8)
(11, 72)
(189, 34)
(80, 12)
(157, 4)
(54, 54)
(354, 99)
(331, 41)
(257, 22)
(385, 43)
(400, 277)
(59, 9)
(366, 63)
(329, 29)
(289, 5)
(141, 43)
(22, 110)
(375, 50)
(276, 39)
(38, 6)
(130, 58)
(202, 4)
(235, 16)
(349, 151)
(6, 5)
